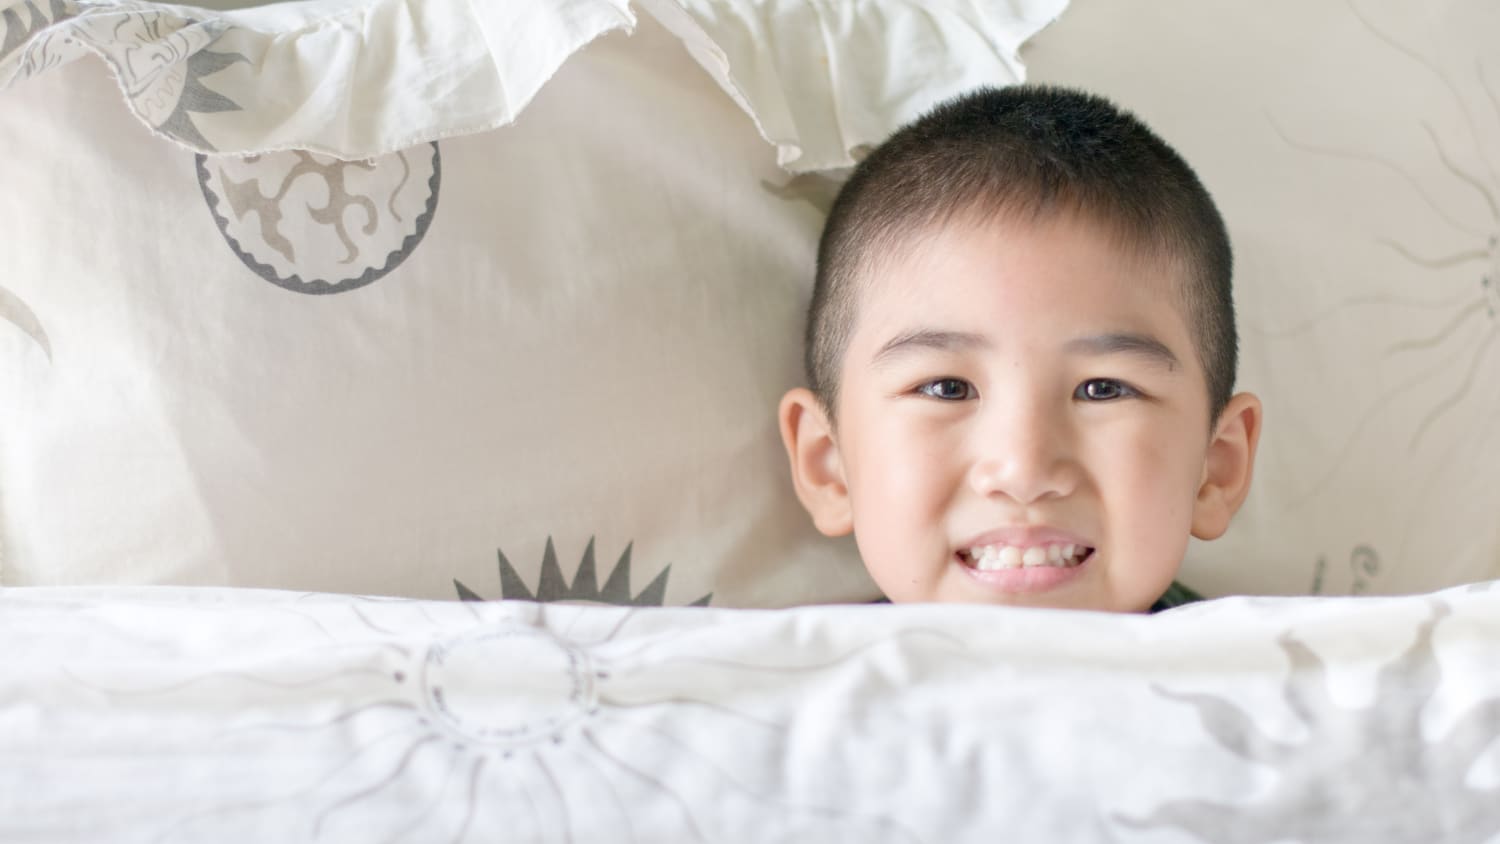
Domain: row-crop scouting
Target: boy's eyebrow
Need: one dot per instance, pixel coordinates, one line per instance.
(926, 338)
(1139, 345)
(1110, 343)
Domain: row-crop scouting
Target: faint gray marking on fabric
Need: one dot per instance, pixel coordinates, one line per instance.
(17, 313)
(1485, 187)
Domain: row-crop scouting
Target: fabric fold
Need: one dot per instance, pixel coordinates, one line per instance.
(352, 80)
(361, 78)
(826, 81)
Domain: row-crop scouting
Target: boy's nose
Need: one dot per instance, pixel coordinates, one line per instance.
(1026, 459)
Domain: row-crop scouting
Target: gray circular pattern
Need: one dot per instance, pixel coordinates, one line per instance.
(511, 687)
(316, 224)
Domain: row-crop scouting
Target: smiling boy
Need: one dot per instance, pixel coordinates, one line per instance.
(1021, 356)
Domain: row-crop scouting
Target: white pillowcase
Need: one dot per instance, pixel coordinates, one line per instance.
(1354, 150)
(535, 360)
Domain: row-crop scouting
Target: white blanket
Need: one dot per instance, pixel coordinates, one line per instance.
(172, 714)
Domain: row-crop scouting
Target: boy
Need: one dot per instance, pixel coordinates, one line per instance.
(1021, 354)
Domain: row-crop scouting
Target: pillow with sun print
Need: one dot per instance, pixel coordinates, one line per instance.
(506, 322)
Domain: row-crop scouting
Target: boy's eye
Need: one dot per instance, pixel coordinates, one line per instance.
(1102, 389)
(948, 389)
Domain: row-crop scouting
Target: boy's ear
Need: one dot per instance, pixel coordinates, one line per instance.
(1228, 466)
(817, 469)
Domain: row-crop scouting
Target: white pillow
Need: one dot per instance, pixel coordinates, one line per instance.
(1354, 150)
(548, 368)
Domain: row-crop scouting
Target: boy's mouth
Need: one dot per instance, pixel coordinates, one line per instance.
(999, 556)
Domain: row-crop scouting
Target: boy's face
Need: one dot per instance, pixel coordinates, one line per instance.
(1022, 419)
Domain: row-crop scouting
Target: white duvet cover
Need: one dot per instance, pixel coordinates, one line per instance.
(176, 714)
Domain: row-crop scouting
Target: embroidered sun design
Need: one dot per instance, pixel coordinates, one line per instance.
(532, 722)
(1353, 758)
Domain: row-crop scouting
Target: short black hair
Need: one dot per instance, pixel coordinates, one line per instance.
(1026, 150)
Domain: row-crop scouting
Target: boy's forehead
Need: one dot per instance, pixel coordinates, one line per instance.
(934, 267)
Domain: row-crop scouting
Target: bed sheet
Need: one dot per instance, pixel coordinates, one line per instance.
(204, 714)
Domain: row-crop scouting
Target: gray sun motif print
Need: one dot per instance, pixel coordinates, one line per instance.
(315, 224)
(25, 20)
(160, 58)
(1448, 371)
(538, 724)
(1354, 759)
(25, 47)
(553, 586)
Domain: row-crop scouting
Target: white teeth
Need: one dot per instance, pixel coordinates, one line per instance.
(1010, 557)
(997, 557)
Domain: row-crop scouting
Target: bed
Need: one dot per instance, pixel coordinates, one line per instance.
(388, 451)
